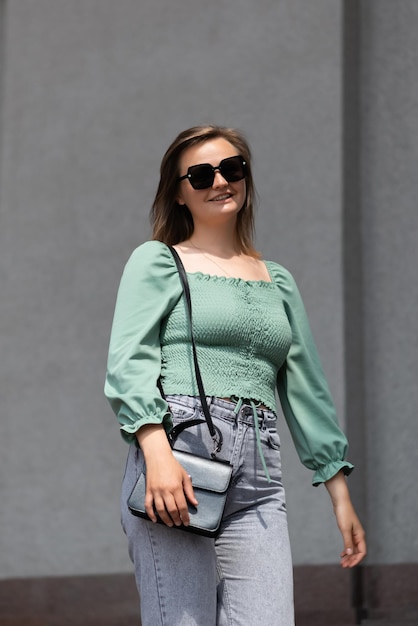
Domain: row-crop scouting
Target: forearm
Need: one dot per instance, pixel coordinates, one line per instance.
(347, 520)
(153, 441)
(338, 489)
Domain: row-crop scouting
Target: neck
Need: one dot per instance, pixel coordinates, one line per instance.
(217, 241)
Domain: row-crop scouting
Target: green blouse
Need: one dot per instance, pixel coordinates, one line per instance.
(252, 337)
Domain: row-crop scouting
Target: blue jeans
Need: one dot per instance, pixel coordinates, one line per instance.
(244, 576)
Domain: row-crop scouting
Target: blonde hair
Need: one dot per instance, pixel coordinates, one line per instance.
(173, 223)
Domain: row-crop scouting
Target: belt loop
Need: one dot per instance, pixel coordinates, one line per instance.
(238, 406)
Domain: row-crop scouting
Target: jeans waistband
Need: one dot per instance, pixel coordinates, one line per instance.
(227, 409)
(243, 410)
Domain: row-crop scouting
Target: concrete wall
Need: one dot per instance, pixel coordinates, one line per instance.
(389, 157)
(381, 260)
(92, 92)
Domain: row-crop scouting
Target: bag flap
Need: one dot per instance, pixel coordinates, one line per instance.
(205, 473)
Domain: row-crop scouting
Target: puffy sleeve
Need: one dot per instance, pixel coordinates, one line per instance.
(148, 290)
(304, 394)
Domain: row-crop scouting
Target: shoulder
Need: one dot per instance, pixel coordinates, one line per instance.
(288, 289)
(150, 264)
(151, 256)
(281, 276)
(150, 251)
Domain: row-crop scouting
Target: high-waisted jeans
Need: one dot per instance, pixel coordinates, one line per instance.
(244, 576)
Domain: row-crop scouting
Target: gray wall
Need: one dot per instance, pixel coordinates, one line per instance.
(92, 93)
(389, 156)
(380, 146)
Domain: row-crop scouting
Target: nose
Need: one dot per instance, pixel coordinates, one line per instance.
(218, 180)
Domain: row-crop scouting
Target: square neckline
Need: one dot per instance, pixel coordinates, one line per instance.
(221, 277)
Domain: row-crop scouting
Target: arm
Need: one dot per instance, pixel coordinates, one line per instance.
(352, 532)
(304, 394)
(310, 414)
(149, 289)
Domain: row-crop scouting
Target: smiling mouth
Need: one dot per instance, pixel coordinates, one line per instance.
(223, 196)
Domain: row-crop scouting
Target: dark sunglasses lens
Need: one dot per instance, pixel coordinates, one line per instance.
(201, 176)
(233, 169)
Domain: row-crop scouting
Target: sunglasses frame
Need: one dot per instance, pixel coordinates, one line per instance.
(189, 174)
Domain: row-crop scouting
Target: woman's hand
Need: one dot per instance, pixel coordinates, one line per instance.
(169, 487)
(352, 532)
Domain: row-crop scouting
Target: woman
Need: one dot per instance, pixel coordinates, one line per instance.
(252, 337)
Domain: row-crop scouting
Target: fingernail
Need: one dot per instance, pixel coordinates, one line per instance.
(349, 551)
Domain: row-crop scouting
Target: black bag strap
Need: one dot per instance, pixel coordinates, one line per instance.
(215, 432)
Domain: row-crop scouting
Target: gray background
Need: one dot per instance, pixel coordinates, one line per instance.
(92, 92)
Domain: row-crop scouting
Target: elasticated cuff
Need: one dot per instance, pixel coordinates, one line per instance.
(128, 430)
(325, 472)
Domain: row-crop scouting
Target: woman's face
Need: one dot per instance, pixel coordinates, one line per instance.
(222, 200)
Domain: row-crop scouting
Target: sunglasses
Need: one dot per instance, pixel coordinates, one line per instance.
(202, 176)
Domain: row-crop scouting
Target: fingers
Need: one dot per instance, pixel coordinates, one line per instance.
(354, 547)
(186, 495)
(352, 532)
(170, 505)
(168, 510)
(149, 507)
(351, 559)
(188, 490)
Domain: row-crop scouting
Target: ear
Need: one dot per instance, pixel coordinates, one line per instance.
(180, 200)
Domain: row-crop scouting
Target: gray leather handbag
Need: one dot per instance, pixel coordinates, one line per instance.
(210, 477)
